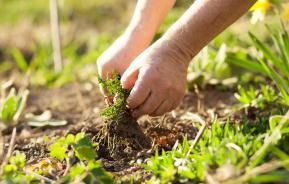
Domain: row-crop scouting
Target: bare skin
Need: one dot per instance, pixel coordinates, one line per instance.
(157, 74)
(148, 16)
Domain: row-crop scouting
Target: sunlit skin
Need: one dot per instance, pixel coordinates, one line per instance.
(156, 74)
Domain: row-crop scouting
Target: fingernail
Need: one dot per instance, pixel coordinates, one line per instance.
(123, 82)
(128, 101)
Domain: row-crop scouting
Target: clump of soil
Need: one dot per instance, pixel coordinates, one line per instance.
(121, 136)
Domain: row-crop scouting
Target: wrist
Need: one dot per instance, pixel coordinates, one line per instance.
(177, 51)
(139, 37)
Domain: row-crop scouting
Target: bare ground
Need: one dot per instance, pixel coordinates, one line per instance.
(80, 103)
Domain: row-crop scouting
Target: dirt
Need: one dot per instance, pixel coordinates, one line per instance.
(79, 104)
(122, 138)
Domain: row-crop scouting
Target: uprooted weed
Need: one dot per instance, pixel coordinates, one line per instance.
(121, 136)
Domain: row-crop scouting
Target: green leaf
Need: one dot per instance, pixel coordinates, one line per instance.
(246, 63)
(18, 160)
(85, 153)
(58, 150)
(76, 170)
(9, 109)
(20, 60)
(272, 177)
(275, 120)
(70, 139)
(84, 149)
(269, 54)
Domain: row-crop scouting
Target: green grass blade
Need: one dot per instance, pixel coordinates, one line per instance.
(246, 64)
(281, 83)
(20, 60)
(269, 55)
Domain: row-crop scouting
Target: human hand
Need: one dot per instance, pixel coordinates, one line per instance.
(118, 57)
(158, 80)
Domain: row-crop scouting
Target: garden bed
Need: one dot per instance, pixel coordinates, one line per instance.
(80, 103)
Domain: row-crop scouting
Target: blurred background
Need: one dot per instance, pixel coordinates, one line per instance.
(88, 28)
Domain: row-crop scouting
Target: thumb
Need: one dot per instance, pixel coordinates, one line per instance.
(129, 77)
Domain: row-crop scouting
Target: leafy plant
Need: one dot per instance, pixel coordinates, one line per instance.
(12, 106)
(13, 171)
(80, 146)
(273, 63)
(91, 173)
(256, 98)
(209, 67)
(223, 154)
(87, 170)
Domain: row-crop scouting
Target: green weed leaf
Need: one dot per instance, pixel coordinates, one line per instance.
(9, 109)
(58, 150)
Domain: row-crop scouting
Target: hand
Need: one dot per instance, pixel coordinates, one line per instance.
(119, 56)
(158, 81)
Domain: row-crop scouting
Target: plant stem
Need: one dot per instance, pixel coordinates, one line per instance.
(10, 150)
(55, 34)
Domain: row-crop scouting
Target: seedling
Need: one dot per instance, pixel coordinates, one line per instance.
(88, 169)
(79, 145)
(11, 107)
(256, 98)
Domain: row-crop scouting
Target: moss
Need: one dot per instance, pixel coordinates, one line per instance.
(113, 86)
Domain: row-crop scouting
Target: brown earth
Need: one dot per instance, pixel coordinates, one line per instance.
(80, 103)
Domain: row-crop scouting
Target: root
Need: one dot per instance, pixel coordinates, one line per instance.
(121, 138)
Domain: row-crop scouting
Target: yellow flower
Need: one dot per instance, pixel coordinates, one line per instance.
(259, 10)
(286, 13)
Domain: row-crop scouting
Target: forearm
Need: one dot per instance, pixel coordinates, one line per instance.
(147, 17)
(204, 20)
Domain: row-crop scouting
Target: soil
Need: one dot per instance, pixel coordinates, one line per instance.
(79, 104)
(122, 138)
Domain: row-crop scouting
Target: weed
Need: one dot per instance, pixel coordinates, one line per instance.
(121, 135)
(14, 170)
(11, 107)
(80, 146)
(91, 173)
(114, 89)
(256, 98)
(87, 170)
(223, 153)
(272, 63)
